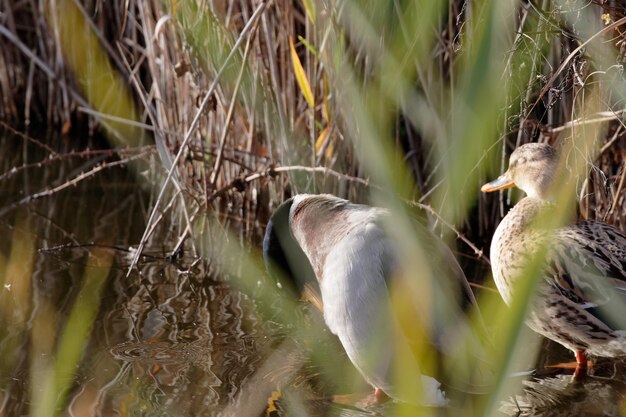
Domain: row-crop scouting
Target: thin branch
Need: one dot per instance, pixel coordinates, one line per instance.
(69, 183)
(321, 170)
(89, 153)
(478, 252)
(603, 116)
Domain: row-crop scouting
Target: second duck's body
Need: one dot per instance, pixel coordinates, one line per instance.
(583, 282)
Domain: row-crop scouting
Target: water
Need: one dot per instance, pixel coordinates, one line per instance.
(164, 341)
(168, 341)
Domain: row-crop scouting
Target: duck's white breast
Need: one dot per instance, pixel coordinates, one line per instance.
(356, 303)
(500, 249)
(514, 242)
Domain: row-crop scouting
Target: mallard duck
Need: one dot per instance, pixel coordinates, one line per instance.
(583, 286)
(344, 247)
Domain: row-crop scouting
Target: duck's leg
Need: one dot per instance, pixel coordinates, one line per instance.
(581, 365)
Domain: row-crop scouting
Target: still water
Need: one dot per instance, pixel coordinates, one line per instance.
(80, 337)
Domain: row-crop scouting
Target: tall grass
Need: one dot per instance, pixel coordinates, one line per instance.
(380, 102)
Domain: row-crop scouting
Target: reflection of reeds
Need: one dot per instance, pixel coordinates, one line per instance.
(16, 272)
(406, 102)
(556, 397)
(52, 379)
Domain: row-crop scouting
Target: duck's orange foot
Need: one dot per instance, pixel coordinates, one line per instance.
(362, 401)
(581, 365)
(380, 396)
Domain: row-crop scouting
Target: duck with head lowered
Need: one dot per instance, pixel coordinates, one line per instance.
(345, 248)
(582, 289)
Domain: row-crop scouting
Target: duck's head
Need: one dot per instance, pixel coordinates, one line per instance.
(283, 256)
(531, 168)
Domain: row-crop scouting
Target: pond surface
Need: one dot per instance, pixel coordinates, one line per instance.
(172, 338)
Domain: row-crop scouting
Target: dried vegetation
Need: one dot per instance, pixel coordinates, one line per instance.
(249, 125)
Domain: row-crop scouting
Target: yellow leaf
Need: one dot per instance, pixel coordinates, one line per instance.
(321, 142)
(303, 83)
(309, 8)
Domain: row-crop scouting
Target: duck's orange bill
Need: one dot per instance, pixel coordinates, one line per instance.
(501, 183)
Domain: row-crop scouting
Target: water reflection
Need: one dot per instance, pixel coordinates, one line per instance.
(194, 343)
(560, 396)
(200, 348)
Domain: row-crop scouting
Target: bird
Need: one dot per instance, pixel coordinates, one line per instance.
(581, 292)
(342, 249)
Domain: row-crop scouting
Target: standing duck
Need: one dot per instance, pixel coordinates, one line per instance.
(344, 247)
(582, 291)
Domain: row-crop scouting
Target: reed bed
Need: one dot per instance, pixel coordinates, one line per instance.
(247, 103)
(275, 123)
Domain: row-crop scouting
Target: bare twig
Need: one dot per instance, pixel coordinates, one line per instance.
(478, 252)
(321, 170)
(271, 172)
(28, 138)
(89, 153)
(69, 183)
(600, 117)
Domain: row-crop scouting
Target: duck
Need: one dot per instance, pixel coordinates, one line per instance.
(581, 294)
(342, 250)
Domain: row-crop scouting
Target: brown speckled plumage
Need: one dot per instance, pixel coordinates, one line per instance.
(582, 290)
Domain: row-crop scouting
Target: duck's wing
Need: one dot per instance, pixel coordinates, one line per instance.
(446, 265)
(435, 321)
(443, 274)
(587, 264)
